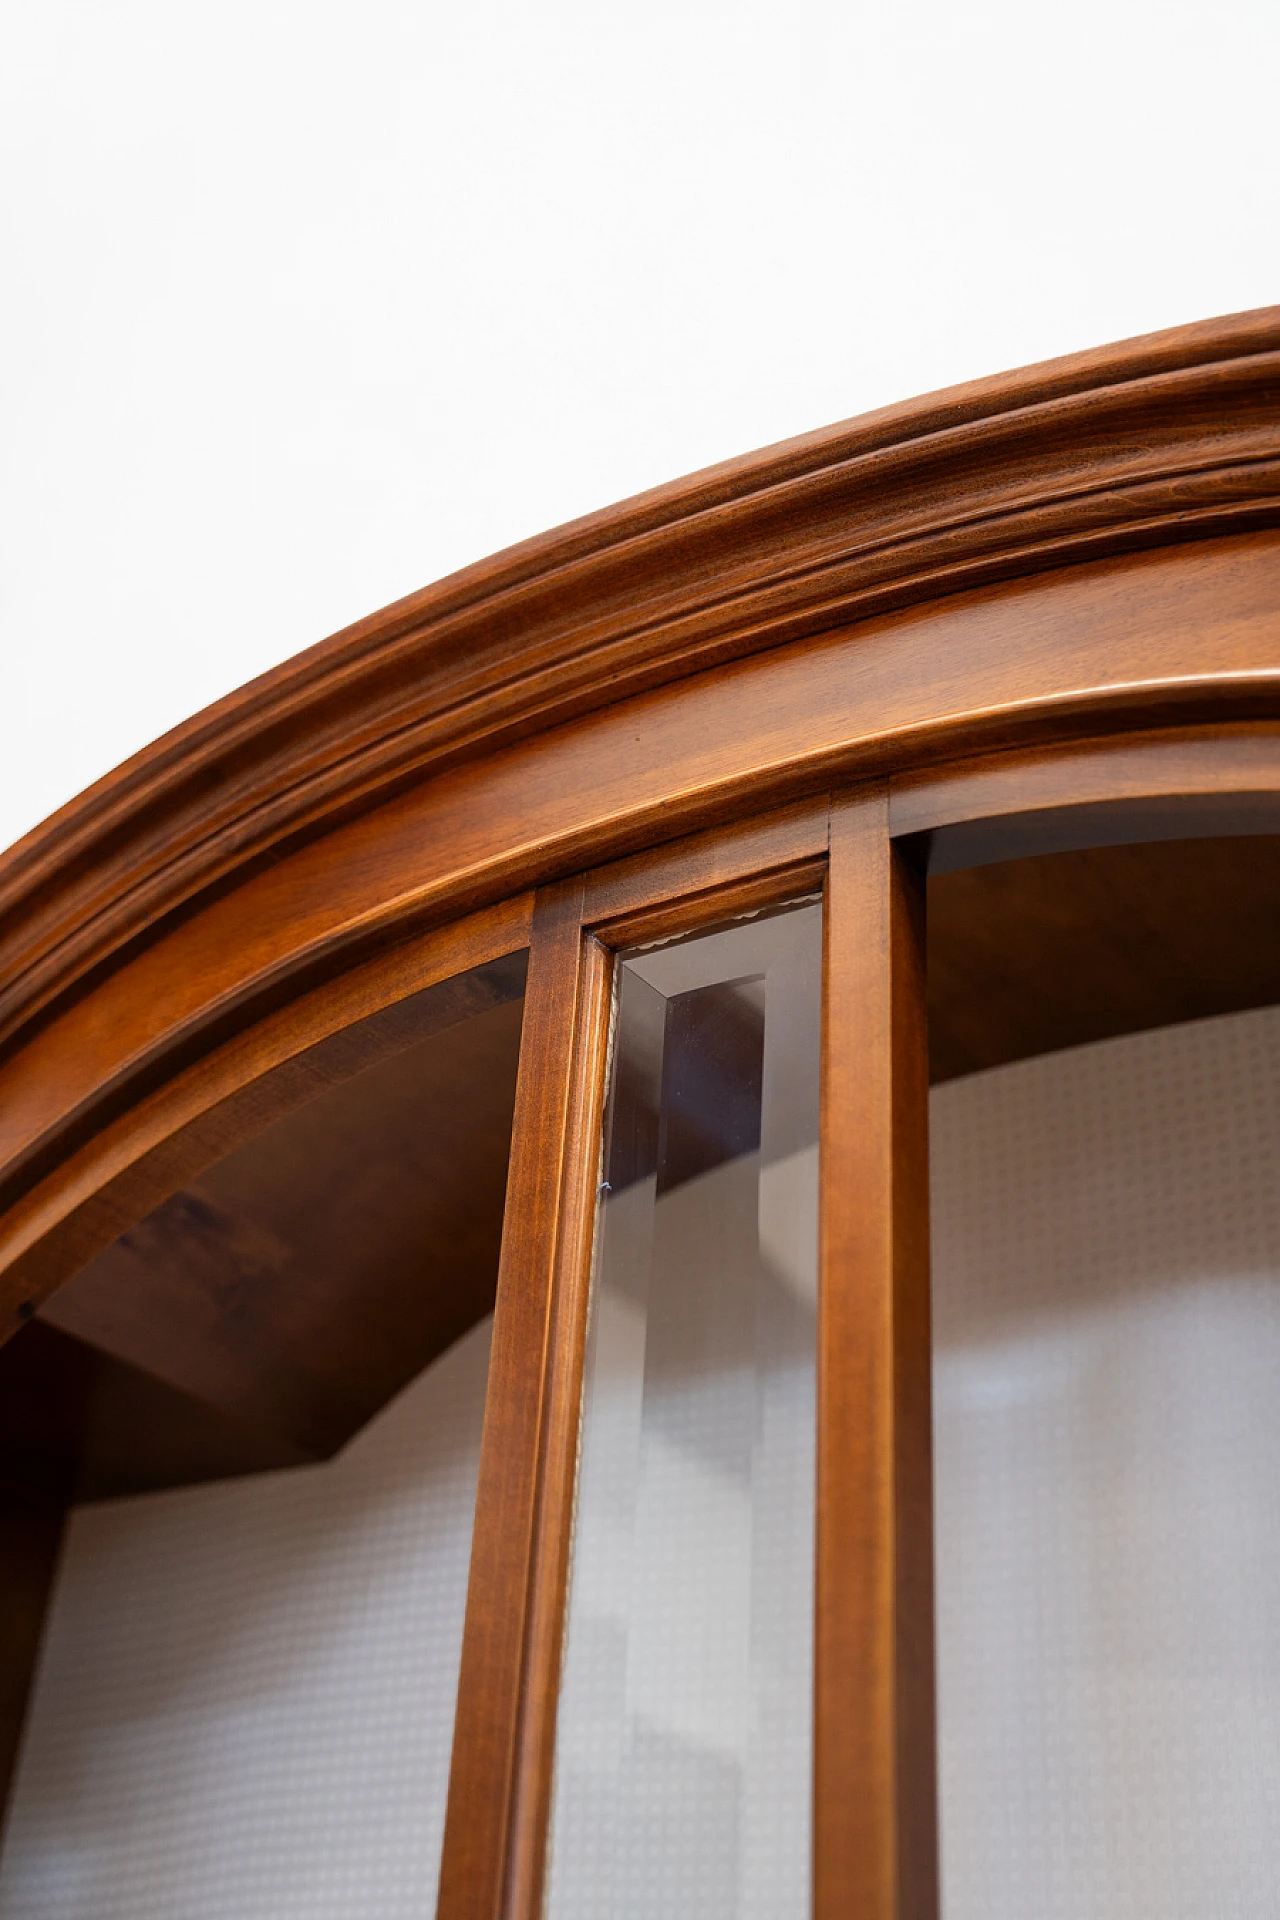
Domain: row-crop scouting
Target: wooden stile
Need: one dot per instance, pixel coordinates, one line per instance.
(500, 1782)
(875, 1821)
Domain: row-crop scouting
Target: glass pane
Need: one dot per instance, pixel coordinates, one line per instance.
(267, 1399)
(683, 1758)
(1107, 1447)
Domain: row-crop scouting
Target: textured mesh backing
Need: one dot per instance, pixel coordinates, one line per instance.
(244, 1707)
(1107, 1326)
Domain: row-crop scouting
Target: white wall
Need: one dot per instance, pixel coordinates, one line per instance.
(306, 305)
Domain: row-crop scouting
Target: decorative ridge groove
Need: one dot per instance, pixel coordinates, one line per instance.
(1169, 437)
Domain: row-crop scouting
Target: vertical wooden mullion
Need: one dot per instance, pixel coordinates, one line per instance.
(499, 1786)
(875, 1795)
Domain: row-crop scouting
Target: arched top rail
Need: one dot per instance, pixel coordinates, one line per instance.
(1171, 437)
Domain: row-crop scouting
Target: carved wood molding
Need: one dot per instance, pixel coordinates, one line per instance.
(1170, 437)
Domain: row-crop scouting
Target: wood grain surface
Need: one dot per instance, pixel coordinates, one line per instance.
(500, 1793)
(1171, 436)
(213, 1104)
(305, 1278)
(1015, 629)
(1027, 956)
(1158, 639)
(875, 1786)
(1161, 784)
(511, 1637)
(684, 883)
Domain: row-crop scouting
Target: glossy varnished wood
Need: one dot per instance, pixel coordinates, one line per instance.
(558, 1464)
(1162, 784)
(493, 1828)
(1042, 612)
(345, 1233)
(307, 1276)
(1159, 439)
(723, 873)
(875, 1821)
(213, 1104)
(1026, 956)
(1182, 633)
(500, 1792)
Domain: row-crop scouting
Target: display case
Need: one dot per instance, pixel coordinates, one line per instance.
(577, 941)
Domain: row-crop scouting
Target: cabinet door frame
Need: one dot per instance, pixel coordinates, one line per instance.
(501, 1781)
(868, 847)
(873, 1745)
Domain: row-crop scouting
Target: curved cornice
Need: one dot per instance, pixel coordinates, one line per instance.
(1172, 436)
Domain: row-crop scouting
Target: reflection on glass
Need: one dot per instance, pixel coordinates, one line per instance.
(683, 1758)
(245, 1699)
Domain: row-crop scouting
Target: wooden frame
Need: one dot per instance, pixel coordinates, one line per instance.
(523, 1501)
(1154, 441)
(184, 1126)
(206, 1107)
(1186, 634)
(1035, 613)
(875, 1847)
(875, 1792)
(875, 1840)
(500, 1790)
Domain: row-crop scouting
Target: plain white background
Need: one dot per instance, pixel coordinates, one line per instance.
(307, 304)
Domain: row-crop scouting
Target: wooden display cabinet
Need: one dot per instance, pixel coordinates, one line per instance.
(1002, 662)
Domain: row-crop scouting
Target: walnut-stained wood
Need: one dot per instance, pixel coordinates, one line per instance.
(1026, 956)
(1187, 632)
(875, 1789)
(1180, 633)
(510, 1647)
(270, 1306)
(1161, 784)
(142, 1435)
(558, 1460)
(1163, 438)
(263, 1312)
(215, 1103)
(298, 1283)
(720, 873)
(1019, 622)
(500, 1789)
